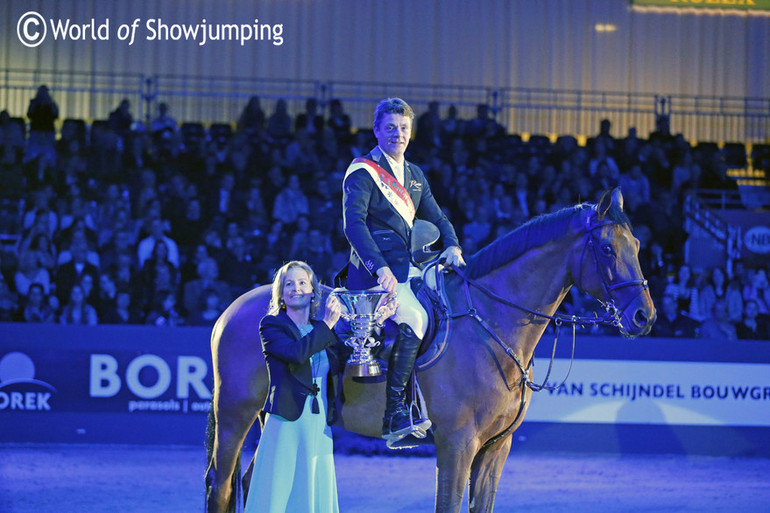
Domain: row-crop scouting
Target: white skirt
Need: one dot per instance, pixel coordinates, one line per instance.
(294, 465)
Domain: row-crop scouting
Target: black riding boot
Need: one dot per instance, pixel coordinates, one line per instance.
(396, 423)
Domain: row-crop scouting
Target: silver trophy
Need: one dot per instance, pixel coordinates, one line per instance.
(362, 308)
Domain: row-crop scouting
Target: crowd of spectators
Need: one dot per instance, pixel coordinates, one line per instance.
(166, 223)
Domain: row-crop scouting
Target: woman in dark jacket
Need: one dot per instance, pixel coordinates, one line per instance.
(294, 465)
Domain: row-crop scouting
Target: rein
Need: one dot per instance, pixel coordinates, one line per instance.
(611, 317)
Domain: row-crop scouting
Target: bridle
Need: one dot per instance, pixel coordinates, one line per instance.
(591, 241)
(611, 317)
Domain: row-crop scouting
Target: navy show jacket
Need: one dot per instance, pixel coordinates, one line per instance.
(377, 233)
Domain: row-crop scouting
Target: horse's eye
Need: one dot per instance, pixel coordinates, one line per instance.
(607, 250)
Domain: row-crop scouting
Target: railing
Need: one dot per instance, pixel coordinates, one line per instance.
(699, 215)
(521, 110)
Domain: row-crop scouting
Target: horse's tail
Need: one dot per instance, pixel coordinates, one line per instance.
(235, 481)
(237, 487)
(210, 430)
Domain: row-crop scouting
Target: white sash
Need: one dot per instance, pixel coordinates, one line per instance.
(393, 191)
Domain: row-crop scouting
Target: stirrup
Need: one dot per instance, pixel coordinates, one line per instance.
(416, 429)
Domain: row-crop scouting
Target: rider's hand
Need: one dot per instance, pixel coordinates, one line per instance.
(333, 311)
(386, 279)
(452, 257)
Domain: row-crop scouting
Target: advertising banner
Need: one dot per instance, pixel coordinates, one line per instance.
(650, 392)
(137, 384)
(744, 5)
(145, 380)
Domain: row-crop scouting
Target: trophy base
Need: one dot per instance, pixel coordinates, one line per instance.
(363, 370)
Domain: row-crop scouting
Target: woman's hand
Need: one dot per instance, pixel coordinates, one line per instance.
(333, 311)
(387, 309)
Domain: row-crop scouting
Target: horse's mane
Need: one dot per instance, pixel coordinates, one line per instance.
(532, 234)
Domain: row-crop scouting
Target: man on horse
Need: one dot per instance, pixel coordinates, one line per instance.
(383, 195)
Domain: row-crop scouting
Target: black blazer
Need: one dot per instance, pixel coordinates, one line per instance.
(287, 355)
(377, 233)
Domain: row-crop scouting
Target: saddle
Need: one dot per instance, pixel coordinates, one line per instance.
(432, 296)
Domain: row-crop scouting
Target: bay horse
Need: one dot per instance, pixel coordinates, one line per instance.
(478, 392)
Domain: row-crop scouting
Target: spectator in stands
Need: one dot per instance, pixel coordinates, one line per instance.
(9, 302)
(124, 274)
(451, 127)
(339, 122)
(682, 172)
(238, 269)
(483, 125)
(121, 120)
(301, 154)
(605, 137)
(71, 273)
(76, 310)
(254, 219)
(208, 272)
(166, 136)
(252, 119)
(291, 202)
(78, 231)
(11, 139)
(428, 128)
(41, 244)
(672, 323)
(147, 245)
(118, 244)
(106, 299)
(214, 245)
(635, 186)
(89, 290)
(686, 292)
(164, 311)
(300, 237)
(309, 121)
(187, 232)
(40, 218)
(279, 124)
(30, 271)
(122, 312)
(599, 158)
(210, 312)
(758, 289)
(714, 288)
(158, 274)
(189, 268)
(223, 202)
(753, 326)
(717, 325)
(42, 114)
(479, 228)
(36, 308)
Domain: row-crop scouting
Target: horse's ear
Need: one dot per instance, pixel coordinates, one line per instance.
(608, 198)
(604, 204)
(617, 198)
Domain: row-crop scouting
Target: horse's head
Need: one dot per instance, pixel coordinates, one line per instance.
(607, 266)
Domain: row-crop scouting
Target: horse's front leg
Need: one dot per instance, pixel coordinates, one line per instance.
(485, 475)
(453, 463)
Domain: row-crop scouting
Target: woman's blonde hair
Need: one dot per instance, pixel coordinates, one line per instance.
(276, 297)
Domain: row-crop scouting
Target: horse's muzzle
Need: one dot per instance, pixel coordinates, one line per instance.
(642, 321)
